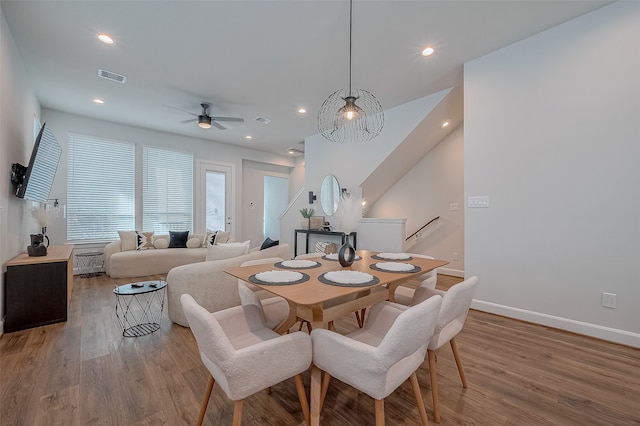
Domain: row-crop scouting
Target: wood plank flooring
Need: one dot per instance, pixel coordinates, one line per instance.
(84, 372)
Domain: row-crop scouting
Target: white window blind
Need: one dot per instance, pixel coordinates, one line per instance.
(167, 190)
(100, 188)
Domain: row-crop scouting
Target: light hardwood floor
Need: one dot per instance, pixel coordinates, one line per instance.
(84, 372)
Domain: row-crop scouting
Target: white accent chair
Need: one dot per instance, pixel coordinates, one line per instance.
(243, 355)
(453, 314)
(379, 357)
(404, 294)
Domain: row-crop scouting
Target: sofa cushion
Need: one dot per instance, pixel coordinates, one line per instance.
(268, 242)
(161, 243)
(127, 240)
(144, 240)
(178, 239)
(222, 237)
(209, 238)
(194, 242)
(228, 250)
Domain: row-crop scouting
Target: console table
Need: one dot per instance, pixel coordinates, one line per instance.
(38, 288)
(340, 234)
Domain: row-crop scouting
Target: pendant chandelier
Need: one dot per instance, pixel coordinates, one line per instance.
(350, 115)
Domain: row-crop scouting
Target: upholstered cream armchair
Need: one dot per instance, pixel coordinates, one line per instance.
(404, 294)
(236, 347)
(453, 314)
(379, 357)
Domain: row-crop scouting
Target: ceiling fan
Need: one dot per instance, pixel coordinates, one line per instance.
(205, 120)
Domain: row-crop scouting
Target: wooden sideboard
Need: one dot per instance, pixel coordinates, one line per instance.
(38, 288)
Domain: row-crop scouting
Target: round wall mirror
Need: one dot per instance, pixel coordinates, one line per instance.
(329, 195)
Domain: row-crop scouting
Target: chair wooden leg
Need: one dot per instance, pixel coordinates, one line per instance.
(330, 326)
(326, 378)
(434, 385)
(205, 401)
(416, 391)
(309, 326)
(302, 396)
(237, 413)
(362, 312)
(454, 348)
(268, 390)
(301, 325)
(379, 412)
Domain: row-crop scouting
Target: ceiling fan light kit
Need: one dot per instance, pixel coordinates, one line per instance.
(204, 121)
(352, 115)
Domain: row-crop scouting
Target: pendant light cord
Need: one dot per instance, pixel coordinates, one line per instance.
(350, 31)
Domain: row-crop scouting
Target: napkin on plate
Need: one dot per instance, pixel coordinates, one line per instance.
(394, 266)
(279, 276)
(348, 277)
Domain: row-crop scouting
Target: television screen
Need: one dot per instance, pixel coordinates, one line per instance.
(42, 167)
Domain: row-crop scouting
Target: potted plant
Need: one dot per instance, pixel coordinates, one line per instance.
(306, 214)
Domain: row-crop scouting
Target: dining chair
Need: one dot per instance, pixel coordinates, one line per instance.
(403, 295)
(382, 355)
(274, 308)
(453, 314)
(243, 355)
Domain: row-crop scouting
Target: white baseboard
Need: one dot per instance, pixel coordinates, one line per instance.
(452, 272)
(605, 333)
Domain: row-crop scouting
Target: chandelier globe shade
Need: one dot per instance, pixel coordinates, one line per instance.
(350, 115)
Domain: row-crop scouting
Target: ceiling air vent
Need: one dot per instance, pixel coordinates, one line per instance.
(112, 76)
(263, 120)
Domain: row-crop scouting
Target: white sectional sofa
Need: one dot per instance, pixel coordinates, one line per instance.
(209, 285)
(139, 263)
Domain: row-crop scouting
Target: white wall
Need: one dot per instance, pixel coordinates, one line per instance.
(253, 198)
(18, 107)
(551, 136)
(62, 123)
(427, 191)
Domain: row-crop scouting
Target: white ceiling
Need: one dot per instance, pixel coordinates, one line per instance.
(257, 58)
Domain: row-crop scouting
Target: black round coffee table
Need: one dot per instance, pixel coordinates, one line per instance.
(139, 307)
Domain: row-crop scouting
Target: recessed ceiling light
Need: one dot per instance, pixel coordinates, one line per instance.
(105, 39)
(428, 51)
(98, 101)
(248, 137)
(444, 124)
(302, 111)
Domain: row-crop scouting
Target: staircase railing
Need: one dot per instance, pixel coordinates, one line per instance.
(422, 227)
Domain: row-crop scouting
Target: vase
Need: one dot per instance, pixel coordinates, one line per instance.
(346, 254)
(304, 224)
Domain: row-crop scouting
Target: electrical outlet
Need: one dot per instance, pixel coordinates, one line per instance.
(454, 256)
(609, 300)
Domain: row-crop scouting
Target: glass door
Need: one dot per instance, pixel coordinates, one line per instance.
(215, 197)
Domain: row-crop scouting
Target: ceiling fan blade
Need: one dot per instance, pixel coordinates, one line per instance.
(218, 125)
(191, 120)
(179, 109)
(234, 119)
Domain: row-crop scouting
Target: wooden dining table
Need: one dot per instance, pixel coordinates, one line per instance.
(315, 301)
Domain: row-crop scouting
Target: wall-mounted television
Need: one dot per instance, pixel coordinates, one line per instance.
(34, 181)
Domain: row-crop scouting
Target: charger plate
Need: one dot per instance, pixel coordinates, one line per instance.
(399, 267)
(278, 277)
(348, 278)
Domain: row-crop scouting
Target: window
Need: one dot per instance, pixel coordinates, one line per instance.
(100, 188)
(167, 190)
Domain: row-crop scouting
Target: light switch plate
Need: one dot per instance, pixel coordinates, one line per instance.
(481, 201)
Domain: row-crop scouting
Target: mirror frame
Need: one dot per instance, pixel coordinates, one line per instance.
(329, 195)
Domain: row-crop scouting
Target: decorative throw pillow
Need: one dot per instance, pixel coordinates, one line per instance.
(209, 238)
(227, 251)
(178, 239)
(269, 243)
(222, 237)
(144, 240)
(127, 240)
(161, 243)
(194, 243)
